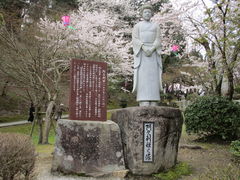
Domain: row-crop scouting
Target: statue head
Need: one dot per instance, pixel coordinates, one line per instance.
(147, 12)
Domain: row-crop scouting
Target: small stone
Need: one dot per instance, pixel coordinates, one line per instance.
(120, 174)
(118, 154)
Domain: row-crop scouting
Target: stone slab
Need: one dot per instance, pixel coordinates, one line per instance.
(167, 130)
(91, 148)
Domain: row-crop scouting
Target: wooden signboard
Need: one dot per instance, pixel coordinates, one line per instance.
(88, 90)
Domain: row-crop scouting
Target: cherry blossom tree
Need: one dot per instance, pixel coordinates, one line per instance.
(96, 36)
(172, 35)
(218, 34)
(37, 67)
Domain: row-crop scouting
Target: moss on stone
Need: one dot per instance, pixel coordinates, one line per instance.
(181, 169)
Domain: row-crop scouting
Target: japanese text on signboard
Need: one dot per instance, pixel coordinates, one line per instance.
(88, 90)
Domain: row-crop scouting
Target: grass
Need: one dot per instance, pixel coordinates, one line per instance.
(184, 132)
(13, 118)
(25, 129)
(181, 169)
(44, 149)
(109, 114)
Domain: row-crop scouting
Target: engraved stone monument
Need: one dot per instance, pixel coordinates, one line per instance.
(150, 137)
(87, 143)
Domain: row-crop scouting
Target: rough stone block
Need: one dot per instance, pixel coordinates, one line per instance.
(167, 130)
(91, 148)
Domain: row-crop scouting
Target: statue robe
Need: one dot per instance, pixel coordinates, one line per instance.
(147, 70)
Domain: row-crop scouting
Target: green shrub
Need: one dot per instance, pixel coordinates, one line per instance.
(17, 156)
(237, 89)
(192, 97)
(212, 115)
(235, 148)
(121, 100)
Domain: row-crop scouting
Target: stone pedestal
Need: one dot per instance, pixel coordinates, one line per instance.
(91, 148)
(167, 123)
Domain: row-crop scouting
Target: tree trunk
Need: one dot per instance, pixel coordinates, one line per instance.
(48, 119)
(40, 132)
(4, 89)
(167, 88)
(218, 89)
(230, 85)
(33, 125)
(7, 176)
(38, 117)
(37, 110)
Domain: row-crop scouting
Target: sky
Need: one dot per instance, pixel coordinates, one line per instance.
(177, 4)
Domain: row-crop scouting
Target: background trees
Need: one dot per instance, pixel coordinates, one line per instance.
(218, 34)
(36, 67)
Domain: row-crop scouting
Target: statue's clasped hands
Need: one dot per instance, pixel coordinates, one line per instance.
(148, 50)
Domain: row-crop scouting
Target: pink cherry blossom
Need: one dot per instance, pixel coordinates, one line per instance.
(66, 20)
(175, 48)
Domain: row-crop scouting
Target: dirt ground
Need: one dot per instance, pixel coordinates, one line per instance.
(209, 157)
(212, 156)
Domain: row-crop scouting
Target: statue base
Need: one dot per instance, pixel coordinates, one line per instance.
(150, 137)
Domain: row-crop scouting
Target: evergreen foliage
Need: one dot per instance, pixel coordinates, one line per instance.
(6, 4)
(213, 115)
(235, 148)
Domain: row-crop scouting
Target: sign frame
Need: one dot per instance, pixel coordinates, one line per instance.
(152, 142)
(88, 90)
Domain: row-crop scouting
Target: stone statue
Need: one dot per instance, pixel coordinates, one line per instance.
(147, 59)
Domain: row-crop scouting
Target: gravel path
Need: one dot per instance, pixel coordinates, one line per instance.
(14, 123)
